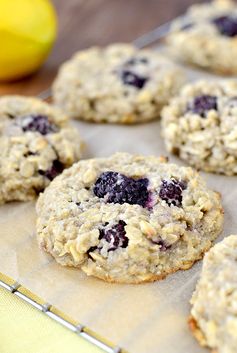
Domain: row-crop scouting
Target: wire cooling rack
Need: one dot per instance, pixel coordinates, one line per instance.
(151, 38)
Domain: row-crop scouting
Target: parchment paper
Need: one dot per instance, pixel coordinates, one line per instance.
(140, 318)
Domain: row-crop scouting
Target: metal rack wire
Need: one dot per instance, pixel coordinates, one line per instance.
(49, 310)
(19, 291)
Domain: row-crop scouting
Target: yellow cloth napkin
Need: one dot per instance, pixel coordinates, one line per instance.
(23, 329)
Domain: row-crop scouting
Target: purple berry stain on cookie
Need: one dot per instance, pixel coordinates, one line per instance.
(38, 123)
(115, 236)
(202, 104)
(171, 191)
(118, 188)
(187, 26)
(137, 61)
(132, 79)
(226, 25)
(232, 102)
(163, 246)
(56, 169)
(91, 249)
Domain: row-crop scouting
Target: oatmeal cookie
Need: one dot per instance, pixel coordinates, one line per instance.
(116, 84)
(36, 144)
(128, 218)
(200, 125)
(208, 38)
(213, 315)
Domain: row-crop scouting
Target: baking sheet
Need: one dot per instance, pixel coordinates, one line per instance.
(139, 318)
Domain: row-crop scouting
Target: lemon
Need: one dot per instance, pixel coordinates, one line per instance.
(27, 33)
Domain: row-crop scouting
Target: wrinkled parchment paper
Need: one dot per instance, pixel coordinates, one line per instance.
(140, 318)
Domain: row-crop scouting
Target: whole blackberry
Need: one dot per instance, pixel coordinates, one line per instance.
(56, 169)
(39, 123)
(118, 188)
(171, 191)
(226, 25)
(202, 104)
(115, 236)
(132, 79)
